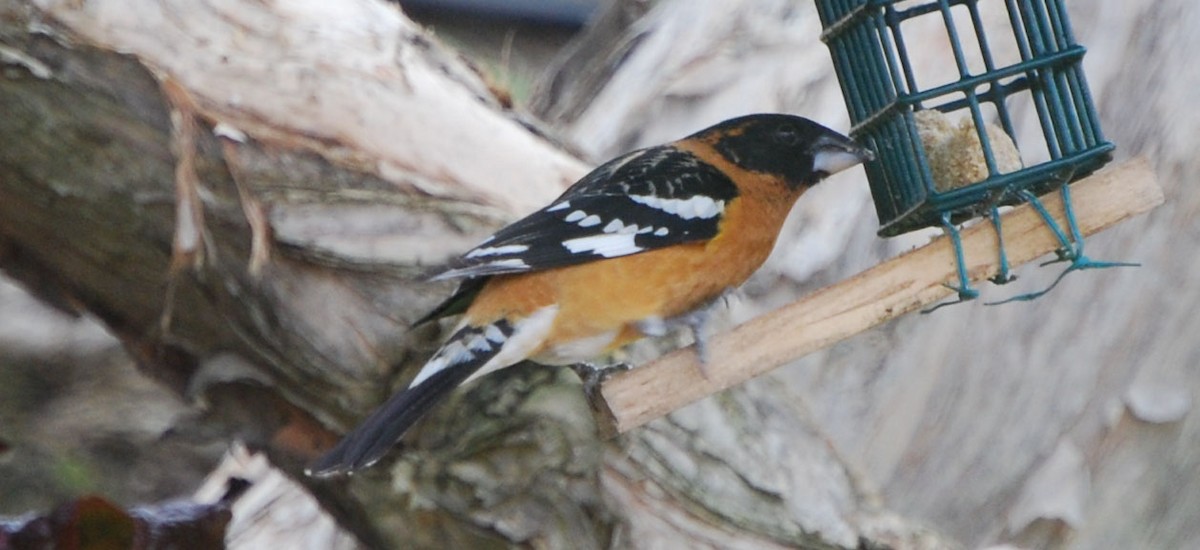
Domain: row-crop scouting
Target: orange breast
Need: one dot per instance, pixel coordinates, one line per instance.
(611, 295)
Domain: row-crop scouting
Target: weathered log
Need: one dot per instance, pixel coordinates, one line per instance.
(288, 303)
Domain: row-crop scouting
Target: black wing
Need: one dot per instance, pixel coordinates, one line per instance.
(457, 303)
(644, 200)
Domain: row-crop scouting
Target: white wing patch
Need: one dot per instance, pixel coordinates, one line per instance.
(497, 250)
(527, 336)
(514, 263)
(698, 206)
(525, 339)
(453, 353)
(479, 344)
(609, 245)
(617, 226)
(493, 333)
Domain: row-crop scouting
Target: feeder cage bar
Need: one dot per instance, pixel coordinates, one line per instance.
(883, 88)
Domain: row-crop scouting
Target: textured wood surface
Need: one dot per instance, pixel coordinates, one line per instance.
(246, 196)
(1066, 422)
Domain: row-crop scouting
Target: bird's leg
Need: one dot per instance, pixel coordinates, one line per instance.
(965, 291)
(698, 320)
(593, 376)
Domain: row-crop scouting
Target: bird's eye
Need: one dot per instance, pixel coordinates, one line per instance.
(786, 135)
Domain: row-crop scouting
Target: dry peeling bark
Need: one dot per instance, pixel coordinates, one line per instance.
(265, 266)
(251, 250)
(370, 152)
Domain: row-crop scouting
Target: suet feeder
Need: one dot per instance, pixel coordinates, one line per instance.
(945, 154)
(941, 118)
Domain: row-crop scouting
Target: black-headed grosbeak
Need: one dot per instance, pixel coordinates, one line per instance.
(642, 240)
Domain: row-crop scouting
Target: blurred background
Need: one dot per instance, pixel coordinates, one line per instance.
(87, 421)
(1064, 422)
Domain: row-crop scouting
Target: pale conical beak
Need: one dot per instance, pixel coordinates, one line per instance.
(834, 154)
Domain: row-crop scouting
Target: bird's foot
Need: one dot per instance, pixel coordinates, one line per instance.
(593, 376)
(698, 321)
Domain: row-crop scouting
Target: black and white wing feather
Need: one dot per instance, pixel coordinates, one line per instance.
(468, 350)
(646, 199)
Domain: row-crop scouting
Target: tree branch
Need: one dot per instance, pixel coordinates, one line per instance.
(889, 290)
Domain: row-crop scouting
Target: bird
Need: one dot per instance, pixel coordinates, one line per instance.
(643, 243)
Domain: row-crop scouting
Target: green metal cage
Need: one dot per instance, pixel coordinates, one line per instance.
(884, 87)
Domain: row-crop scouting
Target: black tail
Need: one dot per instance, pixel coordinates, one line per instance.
(375, 437)
(469, 349)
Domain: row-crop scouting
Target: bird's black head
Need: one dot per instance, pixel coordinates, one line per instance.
(800, 150)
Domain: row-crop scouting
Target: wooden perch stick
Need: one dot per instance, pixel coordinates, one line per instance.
(886, 291)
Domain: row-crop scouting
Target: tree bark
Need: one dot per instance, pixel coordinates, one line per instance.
(258, 248)
(247, 199)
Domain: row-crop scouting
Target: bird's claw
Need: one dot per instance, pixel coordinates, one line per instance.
(593, 376)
